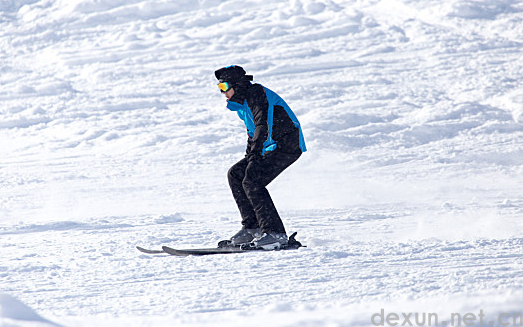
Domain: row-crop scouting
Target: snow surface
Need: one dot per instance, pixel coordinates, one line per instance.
(113, 134)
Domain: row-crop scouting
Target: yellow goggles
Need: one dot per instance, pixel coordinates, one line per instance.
(224, 86)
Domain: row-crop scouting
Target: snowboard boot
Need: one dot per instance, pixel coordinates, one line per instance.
(245, 236)
(271, 241)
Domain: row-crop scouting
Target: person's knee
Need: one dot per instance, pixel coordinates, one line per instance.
(235, 174)
(230, 174)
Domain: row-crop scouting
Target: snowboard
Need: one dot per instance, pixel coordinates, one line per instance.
(224, 247)
(203, 251)
(144, 250)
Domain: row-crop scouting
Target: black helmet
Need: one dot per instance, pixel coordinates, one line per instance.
(232, 74)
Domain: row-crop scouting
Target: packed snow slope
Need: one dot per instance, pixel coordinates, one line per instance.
(113, 134)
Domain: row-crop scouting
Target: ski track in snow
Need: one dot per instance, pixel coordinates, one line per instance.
(113, 135)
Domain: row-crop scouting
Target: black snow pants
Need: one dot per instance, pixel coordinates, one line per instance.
(248, 181)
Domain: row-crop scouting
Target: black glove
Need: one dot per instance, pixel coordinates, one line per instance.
(254, 157)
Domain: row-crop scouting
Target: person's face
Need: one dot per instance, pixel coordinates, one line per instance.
(229, 93)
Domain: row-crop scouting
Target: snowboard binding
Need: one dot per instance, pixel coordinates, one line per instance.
(292, 244)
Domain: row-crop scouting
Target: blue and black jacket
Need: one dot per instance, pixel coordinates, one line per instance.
(271, 124)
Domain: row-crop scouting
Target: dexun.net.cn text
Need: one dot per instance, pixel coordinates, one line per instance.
(504, 319)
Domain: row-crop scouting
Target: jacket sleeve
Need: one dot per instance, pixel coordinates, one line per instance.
(249, 145)
(257, 101)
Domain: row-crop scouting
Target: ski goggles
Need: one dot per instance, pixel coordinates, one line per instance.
(224, 86)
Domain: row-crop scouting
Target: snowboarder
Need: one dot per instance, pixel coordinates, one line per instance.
(275, 141)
